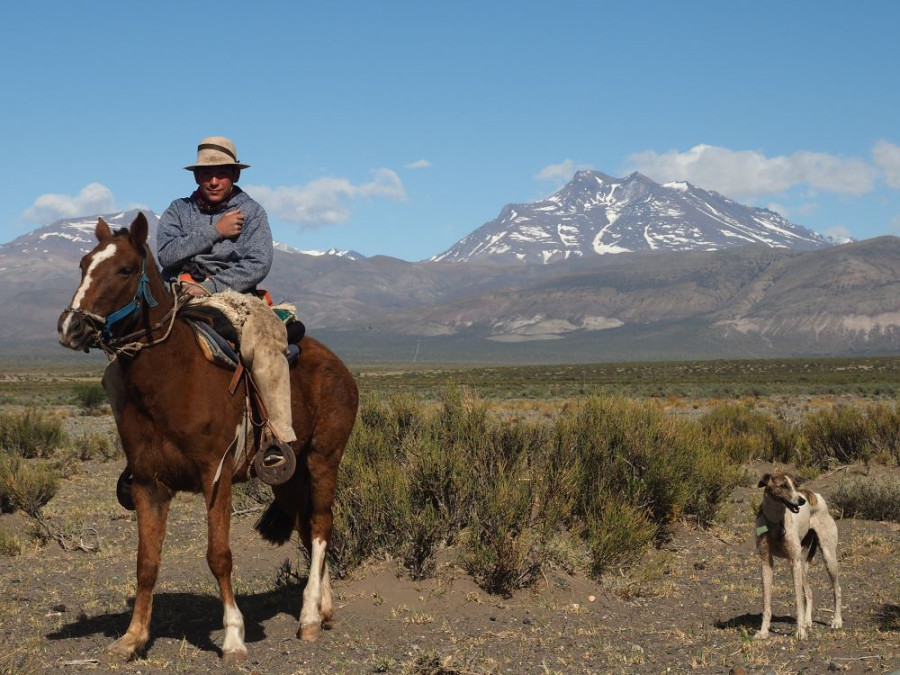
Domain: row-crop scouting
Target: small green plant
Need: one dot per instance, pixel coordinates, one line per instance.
(94, 445)
(91, 397)
(31, 433)
(10, 544)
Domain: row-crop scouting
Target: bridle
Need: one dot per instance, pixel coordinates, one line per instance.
(142, 293)
(130, 344)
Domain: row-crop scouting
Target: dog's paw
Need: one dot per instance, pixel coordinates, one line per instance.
(801, 633)
(761, 634)
(837, 622)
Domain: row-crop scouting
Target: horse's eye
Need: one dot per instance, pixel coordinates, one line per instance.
(126, 271)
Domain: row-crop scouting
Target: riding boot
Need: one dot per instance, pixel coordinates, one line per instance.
(263, 350)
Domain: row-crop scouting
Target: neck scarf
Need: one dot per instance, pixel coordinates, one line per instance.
(209, 209)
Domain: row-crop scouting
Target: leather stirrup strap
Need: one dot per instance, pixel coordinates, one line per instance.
(241, 372)
(236, 378)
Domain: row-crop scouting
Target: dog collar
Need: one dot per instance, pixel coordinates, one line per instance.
(762, 529)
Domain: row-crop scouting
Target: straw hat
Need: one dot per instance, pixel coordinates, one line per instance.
(216, 151)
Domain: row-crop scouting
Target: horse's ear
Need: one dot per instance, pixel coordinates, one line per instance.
(138, 230)
(102, 230)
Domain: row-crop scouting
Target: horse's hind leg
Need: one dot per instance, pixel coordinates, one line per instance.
(317, 611)
(152, 506)
(218, 555)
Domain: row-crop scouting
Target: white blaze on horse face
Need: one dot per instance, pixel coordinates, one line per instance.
(104, 254)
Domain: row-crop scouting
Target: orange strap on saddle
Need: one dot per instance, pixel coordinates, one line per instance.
(260, 293)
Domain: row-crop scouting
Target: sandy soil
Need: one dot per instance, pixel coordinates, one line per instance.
(693, 605)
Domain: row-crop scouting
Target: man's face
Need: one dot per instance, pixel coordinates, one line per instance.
(215, 182)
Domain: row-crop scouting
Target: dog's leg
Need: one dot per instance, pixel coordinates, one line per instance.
(807, 595)
(767, 574)
(829, 553)
(797, 573)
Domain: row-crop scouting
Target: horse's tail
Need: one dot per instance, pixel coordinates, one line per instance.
(274, 525)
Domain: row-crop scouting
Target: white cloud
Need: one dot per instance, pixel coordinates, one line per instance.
(419, 164)
(887, 157)
(839, 234)
(93, 199)
(780, 209)
(788, 211)
(325, 201)
(560, 172)
(747, 173)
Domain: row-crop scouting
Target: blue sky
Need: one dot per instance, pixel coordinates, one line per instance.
(399, 127)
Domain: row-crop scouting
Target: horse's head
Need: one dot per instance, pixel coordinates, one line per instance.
(115, 285)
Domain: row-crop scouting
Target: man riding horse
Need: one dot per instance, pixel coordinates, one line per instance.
(218, 240)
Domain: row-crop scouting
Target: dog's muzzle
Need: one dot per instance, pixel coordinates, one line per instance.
(794, 508)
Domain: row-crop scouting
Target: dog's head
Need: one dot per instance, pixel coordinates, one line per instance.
(782, 487)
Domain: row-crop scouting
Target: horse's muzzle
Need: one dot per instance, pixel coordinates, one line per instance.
(78, 329)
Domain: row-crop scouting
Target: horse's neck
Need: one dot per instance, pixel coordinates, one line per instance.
(166, 360)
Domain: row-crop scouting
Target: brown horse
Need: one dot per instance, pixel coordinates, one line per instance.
(177, 419)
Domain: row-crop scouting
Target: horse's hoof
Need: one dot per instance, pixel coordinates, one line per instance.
(309, 633)
(122, 650)
(235, 656)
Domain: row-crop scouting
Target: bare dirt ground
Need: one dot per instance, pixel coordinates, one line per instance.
(693, 605)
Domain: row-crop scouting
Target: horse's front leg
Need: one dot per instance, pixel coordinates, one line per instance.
(218, 555)
(152, 506)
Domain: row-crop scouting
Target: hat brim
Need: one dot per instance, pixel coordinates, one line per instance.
(194, 167)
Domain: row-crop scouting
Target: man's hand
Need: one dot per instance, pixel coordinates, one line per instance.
(194, 290)
(231, 224)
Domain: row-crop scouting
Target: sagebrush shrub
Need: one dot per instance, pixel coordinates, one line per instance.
(25, 486)
(31, 433)
(869, 498)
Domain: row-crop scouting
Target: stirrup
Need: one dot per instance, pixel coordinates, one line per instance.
(278, 472)
(123, 489)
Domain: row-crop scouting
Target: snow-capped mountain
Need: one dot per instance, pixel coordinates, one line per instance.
(69, 238)
(595, 214)
(333, 252)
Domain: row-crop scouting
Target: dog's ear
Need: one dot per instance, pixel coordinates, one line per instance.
(765, 479)
(795, 479)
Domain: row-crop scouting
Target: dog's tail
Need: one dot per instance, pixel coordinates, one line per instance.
(812, 540)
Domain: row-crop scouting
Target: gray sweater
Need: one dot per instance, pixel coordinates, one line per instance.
(186, 236)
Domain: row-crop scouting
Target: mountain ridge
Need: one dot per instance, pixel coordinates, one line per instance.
(754, 300)
(595, 214)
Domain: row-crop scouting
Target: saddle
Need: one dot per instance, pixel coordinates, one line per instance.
(219, 340)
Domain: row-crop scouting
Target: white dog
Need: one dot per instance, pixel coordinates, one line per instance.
(791, 524)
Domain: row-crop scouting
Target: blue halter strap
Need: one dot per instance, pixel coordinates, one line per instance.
(142, 293)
